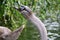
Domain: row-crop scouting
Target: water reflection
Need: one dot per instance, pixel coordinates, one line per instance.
(52, 27)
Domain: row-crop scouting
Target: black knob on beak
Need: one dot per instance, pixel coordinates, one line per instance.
(22, 8)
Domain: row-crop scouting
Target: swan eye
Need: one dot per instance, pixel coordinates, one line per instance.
(6, 36)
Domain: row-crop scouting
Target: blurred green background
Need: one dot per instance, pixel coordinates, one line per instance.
(47, 10)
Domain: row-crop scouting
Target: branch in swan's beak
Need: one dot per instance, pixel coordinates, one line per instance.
(26, 11)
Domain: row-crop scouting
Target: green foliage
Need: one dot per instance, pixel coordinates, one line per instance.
(47, 10)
